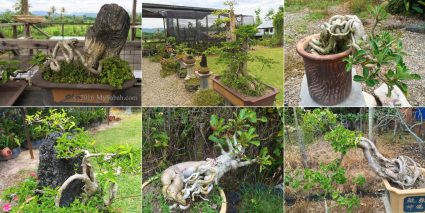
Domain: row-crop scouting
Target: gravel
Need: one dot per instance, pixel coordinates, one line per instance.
(158, 91)
(297, 27)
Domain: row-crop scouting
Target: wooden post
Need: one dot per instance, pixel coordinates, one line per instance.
(63, 29)
(15, 31)
(27, 133)
(133, 28)
(27, 30)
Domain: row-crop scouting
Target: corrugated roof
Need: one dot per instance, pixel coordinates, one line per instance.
(266, 24)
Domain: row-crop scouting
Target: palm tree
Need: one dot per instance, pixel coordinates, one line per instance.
(53, 10)
(62, 12)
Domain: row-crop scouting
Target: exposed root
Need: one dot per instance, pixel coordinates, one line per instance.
(192, 179)
(402, 171)
(347, 30)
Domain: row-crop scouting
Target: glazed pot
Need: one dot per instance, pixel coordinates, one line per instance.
(6, 153)
(16, 152)
(328, 81)
(404, 200)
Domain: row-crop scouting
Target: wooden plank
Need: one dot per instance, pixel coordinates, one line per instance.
(8, 44)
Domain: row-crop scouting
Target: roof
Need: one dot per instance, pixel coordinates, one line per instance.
(174, 11)
(266, 24)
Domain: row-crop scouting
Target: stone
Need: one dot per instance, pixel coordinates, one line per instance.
(355, 99)
(397, 97)
(416, 28)
(370, 100)
(53, 172)
(107, 36)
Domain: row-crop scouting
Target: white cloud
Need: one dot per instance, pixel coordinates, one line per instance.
(246, 7)
(87, 6)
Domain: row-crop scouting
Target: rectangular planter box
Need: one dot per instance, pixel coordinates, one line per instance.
(238, 99)
(10, 92)
(405, 200)
(81, 94)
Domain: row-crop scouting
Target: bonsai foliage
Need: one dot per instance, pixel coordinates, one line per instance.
(402, 171)
(197, 178)
(381, 59)
(235, 54)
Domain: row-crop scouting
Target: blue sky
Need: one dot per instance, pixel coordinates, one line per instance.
(89, 6)
(246, 7)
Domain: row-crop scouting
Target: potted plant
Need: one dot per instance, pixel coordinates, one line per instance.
(5, 151)
(97, 76)
(10, 90)
(235, 84)
(329, 58)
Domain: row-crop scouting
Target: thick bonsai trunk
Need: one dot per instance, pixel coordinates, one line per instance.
(184, 181)
(107, 36)
(403, 170)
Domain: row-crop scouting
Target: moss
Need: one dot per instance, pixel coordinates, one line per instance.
(203, 70)
(207, 97)
(192, 84)
(115, 72)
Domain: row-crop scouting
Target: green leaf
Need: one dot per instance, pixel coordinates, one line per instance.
(358, 78)
(255, 143)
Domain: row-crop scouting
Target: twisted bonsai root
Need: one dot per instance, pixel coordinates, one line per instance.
(402, 171)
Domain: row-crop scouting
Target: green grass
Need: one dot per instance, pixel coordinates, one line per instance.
(260, 200)
(272, 76)
(128, 131)
(299, 5)
(55, 30)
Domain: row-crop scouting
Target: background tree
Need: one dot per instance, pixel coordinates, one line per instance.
(62, 12)
(269, 15)
(53, 11)
(258, 20)
(278, 26)
(22, 7)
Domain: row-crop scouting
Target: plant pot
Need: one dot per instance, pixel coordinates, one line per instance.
(6, 154)
(328, 81)
(223, 208)
(16, 152)
(81, 94)
(239, 99)
(10, 92)
(404, 200)
(35, 144)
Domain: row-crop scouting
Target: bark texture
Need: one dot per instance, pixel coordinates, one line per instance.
(107, 36)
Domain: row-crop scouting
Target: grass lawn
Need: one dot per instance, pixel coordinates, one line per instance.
(128, 131)
(272, 76)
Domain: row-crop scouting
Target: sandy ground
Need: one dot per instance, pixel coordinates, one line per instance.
(18, 169)
(158, 91)
(297, 27)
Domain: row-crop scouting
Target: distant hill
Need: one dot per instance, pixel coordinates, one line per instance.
(44, 13)
(152, 30)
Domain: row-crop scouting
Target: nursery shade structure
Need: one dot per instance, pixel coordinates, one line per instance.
(189, 24)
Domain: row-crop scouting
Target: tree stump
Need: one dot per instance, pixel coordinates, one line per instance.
(53, 172)
(107, 36)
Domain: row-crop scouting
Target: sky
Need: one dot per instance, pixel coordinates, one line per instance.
(246, 7)
(71, 6)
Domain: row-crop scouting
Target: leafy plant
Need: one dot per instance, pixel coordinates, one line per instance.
(235, 54)
(115, 72)
(406, 6)
(8, 68)
(382, 59)
(241, 126)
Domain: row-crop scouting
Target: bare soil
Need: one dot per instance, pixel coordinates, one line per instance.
(355, 164)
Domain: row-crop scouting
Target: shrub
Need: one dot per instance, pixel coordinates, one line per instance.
(406, 7)
(358, 6)
(115, 72)
(207, 97)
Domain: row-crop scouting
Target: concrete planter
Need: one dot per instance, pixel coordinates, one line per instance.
(63, 94)
(328, 81)
(404, 200)
(239, 99)
(223, 207)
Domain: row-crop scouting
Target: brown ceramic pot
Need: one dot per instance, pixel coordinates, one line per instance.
(6, 153)
(328, 81)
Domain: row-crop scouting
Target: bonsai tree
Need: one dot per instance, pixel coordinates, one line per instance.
(203, 65)
(234, 53)
(380, 56)
(187, 180)
(402, 171)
